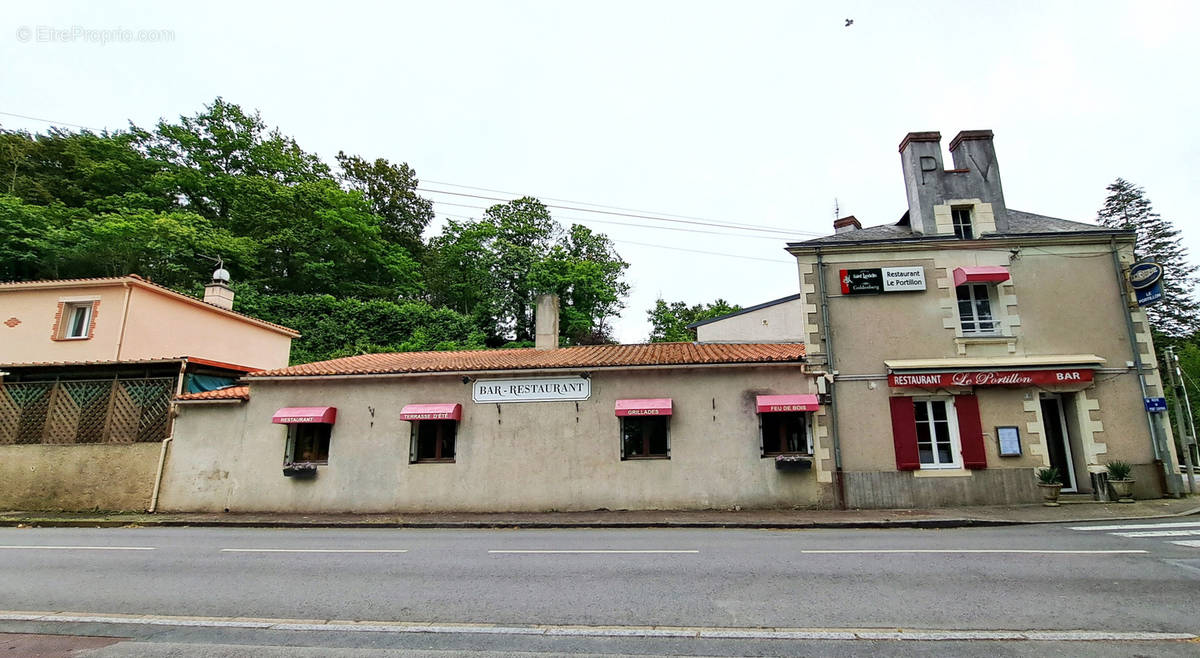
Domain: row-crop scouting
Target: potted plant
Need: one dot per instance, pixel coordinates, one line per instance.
(300, 470)
(1119, 480)
(1051, 484)
(793, 462)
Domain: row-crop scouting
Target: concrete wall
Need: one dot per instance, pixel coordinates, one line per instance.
(162, 326)
(516, 456)
(77, 477)
(780, 323)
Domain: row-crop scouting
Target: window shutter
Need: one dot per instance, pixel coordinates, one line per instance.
(412, 441)
(904, 434)
(970, 431)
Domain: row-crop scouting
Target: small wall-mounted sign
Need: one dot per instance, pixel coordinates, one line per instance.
(1146, 279)
(1156, 404)
(1009, 438)
(532, 389)
(873, 280)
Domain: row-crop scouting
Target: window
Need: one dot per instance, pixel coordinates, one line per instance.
(975, 309)
(645, 437)
(433, 440)
(76, 321)
(936, 433)
(308, 442)
(961, 218)
(784, 433)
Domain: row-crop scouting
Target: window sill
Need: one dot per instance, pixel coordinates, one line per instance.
(945, 472)
(644, 458)
(773, 455)
(985, 338)
(66, 338)
(433, 461)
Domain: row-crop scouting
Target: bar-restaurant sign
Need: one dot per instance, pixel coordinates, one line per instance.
(872, 280)
(532, 389)
(991, 378)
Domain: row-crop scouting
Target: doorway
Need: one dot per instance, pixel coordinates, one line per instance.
(1058, 440)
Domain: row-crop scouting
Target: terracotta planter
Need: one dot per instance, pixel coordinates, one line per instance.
(793, 463)
(1123, 490)
(1050, 494)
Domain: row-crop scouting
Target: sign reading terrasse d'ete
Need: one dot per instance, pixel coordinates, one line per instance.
(532, 389)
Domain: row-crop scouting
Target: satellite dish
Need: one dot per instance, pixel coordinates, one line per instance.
(221, 276)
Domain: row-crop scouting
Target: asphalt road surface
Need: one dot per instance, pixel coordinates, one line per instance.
(1101, 589)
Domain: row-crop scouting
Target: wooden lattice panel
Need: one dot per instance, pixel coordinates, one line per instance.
(31, 402)
(105, 411)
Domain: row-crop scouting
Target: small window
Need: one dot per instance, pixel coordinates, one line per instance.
(962, 223)
(937, 433)
(785, 433)
(975, 310)
(76, 320)
(308, 442)
(645, 437)
(433, 440)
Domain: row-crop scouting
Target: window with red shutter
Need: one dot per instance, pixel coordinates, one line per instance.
(970, 432)
(904, 434)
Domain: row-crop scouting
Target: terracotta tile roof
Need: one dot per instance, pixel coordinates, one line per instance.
(231, 393)
(148, 285)
(589, 356)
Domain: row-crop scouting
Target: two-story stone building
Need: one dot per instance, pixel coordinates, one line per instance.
(968, 344)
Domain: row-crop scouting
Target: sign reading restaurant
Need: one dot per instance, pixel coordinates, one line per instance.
(991, 378)
(532, 389)
(872, 280)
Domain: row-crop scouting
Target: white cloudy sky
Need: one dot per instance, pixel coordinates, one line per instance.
(755, 113)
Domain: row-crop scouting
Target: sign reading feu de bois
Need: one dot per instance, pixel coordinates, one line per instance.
(532, 389)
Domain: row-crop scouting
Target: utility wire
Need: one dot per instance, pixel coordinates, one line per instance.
(51, 121)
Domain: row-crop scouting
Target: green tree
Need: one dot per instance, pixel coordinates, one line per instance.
(1127, 207)
(669, 321)
(31, 243)
(392, 192)
(587, 274)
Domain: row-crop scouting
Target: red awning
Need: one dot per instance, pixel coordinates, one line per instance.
(289, 415)
(980, 274)
(440, 411)
(779, 403)
(647, 407)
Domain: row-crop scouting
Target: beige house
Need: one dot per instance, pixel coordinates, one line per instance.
(969, 344)
(88, 371)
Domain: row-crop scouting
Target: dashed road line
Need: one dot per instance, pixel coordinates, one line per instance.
(1139, 526)
(1190, 543)
(78, 548)
(1157, 533)
(700, 632)
(1035, 551)
(314, 550)
(591, 551)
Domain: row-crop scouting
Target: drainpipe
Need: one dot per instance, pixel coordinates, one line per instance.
(162, 461)
(1162, 456)
(839, 483)
(124, 320)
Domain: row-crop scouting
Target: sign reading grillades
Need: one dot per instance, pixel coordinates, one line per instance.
(532, 389)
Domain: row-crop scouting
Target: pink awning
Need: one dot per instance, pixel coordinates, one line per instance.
(980, 274)
(289, 415)
(440, 411)
(647, 407)
(780, 403)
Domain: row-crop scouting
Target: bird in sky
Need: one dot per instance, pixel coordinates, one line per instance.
(849, 22)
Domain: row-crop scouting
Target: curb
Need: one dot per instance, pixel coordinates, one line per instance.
(945, 523)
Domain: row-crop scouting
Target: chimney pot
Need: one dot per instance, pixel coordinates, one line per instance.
(545, 320)
(846, 224)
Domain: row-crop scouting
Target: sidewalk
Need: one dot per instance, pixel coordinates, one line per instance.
(954, 517)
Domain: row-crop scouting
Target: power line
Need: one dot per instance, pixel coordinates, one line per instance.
(50, 121)
(743, 227)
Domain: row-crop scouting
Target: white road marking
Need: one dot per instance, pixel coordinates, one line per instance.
(314, 550)
(1139, 526)
(603, 631)
(588, 551)
(969, 550)
(80, 548)
(1157, 533)
(1191, 543)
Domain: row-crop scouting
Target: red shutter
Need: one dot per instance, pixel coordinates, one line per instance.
(904, 434)
(970, 431)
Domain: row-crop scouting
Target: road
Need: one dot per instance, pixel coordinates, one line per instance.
(532, 590)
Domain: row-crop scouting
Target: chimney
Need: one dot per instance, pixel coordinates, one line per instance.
(921, 159)
(846, 224)
(973, 151)
(545, 318)
(218, 293)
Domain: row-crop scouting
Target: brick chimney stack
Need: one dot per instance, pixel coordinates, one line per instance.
(545, 321)
(846, 224)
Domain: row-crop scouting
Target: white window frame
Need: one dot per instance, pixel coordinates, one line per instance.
(952, 422)
(958, 227)
(972, 294)
(70, 309)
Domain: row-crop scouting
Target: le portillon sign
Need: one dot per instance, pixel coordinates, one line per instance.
(873, 280)
(1146, 279)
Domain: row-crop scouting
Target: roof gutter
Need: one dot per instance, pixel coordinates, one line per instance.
(524, 371)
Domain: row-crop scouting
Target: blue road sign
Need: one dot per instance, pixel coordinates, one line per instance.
(1156, 404)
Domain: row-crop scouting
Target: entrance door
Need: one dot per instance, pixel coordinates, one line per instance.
(1058, 442)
